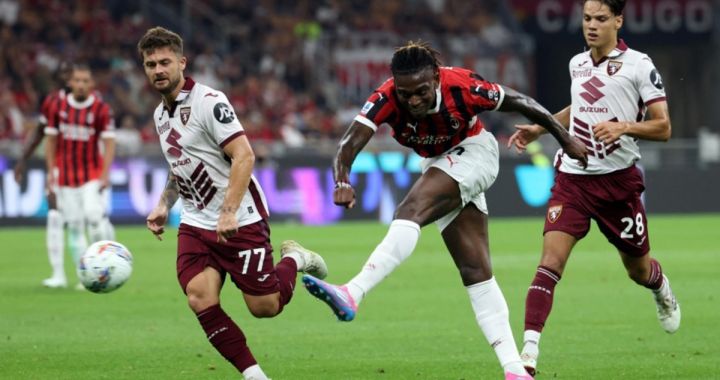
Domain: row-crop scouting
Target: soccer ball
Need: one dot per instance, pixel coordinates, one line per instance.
(105, 266)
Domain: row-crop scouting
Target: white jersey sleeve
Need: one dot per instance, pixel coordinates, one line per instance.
(649, 82)
(220, 119)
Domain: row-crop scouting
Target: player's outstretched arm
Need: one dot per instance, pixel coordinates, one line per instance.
(28, 149)
(354, 140)
(158, 216)
(527, 133)
(531, 109)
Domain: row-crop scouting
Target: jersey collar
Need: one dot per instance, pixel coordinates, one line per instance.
(184, 92)
(438, 99)
(620, 48)
(80, 105)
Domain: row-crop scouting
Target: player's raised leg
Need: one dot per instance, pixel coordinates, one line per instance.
(307, 261)
(466, 237)
(646, 271)
(397, 245)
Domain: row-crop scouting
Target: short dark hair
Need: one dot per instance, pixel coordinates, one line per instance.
(616, 6)
(159, 37)
(80, 66)
(414, 57)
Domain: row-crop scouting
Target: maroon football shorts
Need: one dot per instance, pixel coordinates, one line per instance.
(247, 257)
(612, 200)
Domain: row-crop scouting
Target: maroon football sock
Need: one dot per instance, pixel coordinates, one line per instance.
(226, 336)
(286, 271)
(655, 280)
(540, 298)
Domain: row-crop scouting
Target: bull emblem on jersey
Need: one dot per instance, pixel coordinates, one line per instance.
(184, 115)
(613, 67)
(554, 213)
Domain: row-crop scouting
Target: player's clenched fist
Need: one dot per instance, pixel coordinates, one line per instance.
(344, 194)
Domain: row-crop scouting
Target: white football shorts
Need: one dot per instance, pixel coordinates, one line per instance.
(83, 203)
(474, 164)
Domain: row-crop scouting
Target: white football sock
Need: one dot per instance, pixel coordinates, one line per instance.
(398, 244)
(107, 228)
(77, 240)
(55, 240)
(491, 313)
(254, 372)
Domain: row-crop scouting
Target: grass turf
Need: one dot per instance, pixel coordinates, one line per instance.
(417, 325)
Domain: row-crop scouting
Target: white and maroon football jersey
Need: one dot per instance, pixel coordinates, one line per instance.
(192, 136)
(617, 88)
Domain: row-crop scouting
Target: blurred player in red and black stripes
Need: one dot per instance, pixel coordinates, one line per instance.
(612, 88)
(54, 230)
(433, 110)
(77, 170)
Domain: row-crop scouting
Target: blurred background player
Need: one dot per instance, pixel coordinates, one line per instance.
(77, 169)
(55, 238)
(612, 88)
(433, 110)
(224, 228)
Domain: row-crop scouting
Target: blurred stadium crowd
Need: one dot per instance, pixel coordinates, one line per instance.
(262, 53)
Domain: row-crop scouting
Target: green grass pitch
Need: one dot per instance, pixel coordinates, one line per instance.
(418, 324)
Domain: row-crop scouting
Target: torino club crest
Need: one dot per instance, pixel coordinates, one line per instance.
(554, 213)
(613, 67)
(185, 115)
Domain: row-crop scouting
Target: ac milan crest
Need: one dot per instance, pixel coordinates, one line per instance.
(554, 213)
(184, 115)
(613, 67)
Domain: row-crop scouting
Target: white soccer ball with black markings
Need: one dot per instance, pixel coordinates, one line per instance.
(105, 266)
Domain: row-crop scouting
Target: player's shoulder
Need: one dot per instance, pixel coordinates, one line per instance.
(452, 76)
(580, 59)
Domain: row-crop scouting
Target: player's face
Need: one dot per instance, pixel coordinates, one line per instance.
(600, 25)
(416, 92)
(163, 69)
(81, 84)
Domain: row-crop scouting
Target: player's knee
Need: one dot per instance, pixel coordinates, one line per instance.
(474, 274)
(264, 308)
(199, 300)
(410, 209)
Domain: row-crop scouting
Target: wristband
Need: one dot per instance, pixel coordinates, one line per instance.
(342, 185)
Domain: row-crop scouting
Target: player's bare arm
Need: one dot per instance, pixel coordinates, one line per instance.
(527, 133)
(656, 128)
(354, 140)
(28, 149)
(531, 109)
(158, 216)
(243, 160)
(50, 148)
(108, 156)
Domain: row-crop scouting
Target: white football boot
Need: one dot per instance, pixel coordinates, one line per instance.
(313, 264)
(668, 309)
(55, 282)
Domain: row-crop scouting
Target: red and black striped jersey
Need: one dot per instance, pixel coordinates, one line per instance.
(461, 96)
(79, 127)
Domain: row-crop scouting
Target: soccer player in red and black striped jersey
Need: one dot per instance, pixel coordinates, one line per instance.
(433, 110)
(54, 229)
(75, 164)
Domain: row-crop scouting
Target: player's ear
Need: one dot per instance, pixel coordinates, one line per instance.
(619, 22)
(183, 63)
